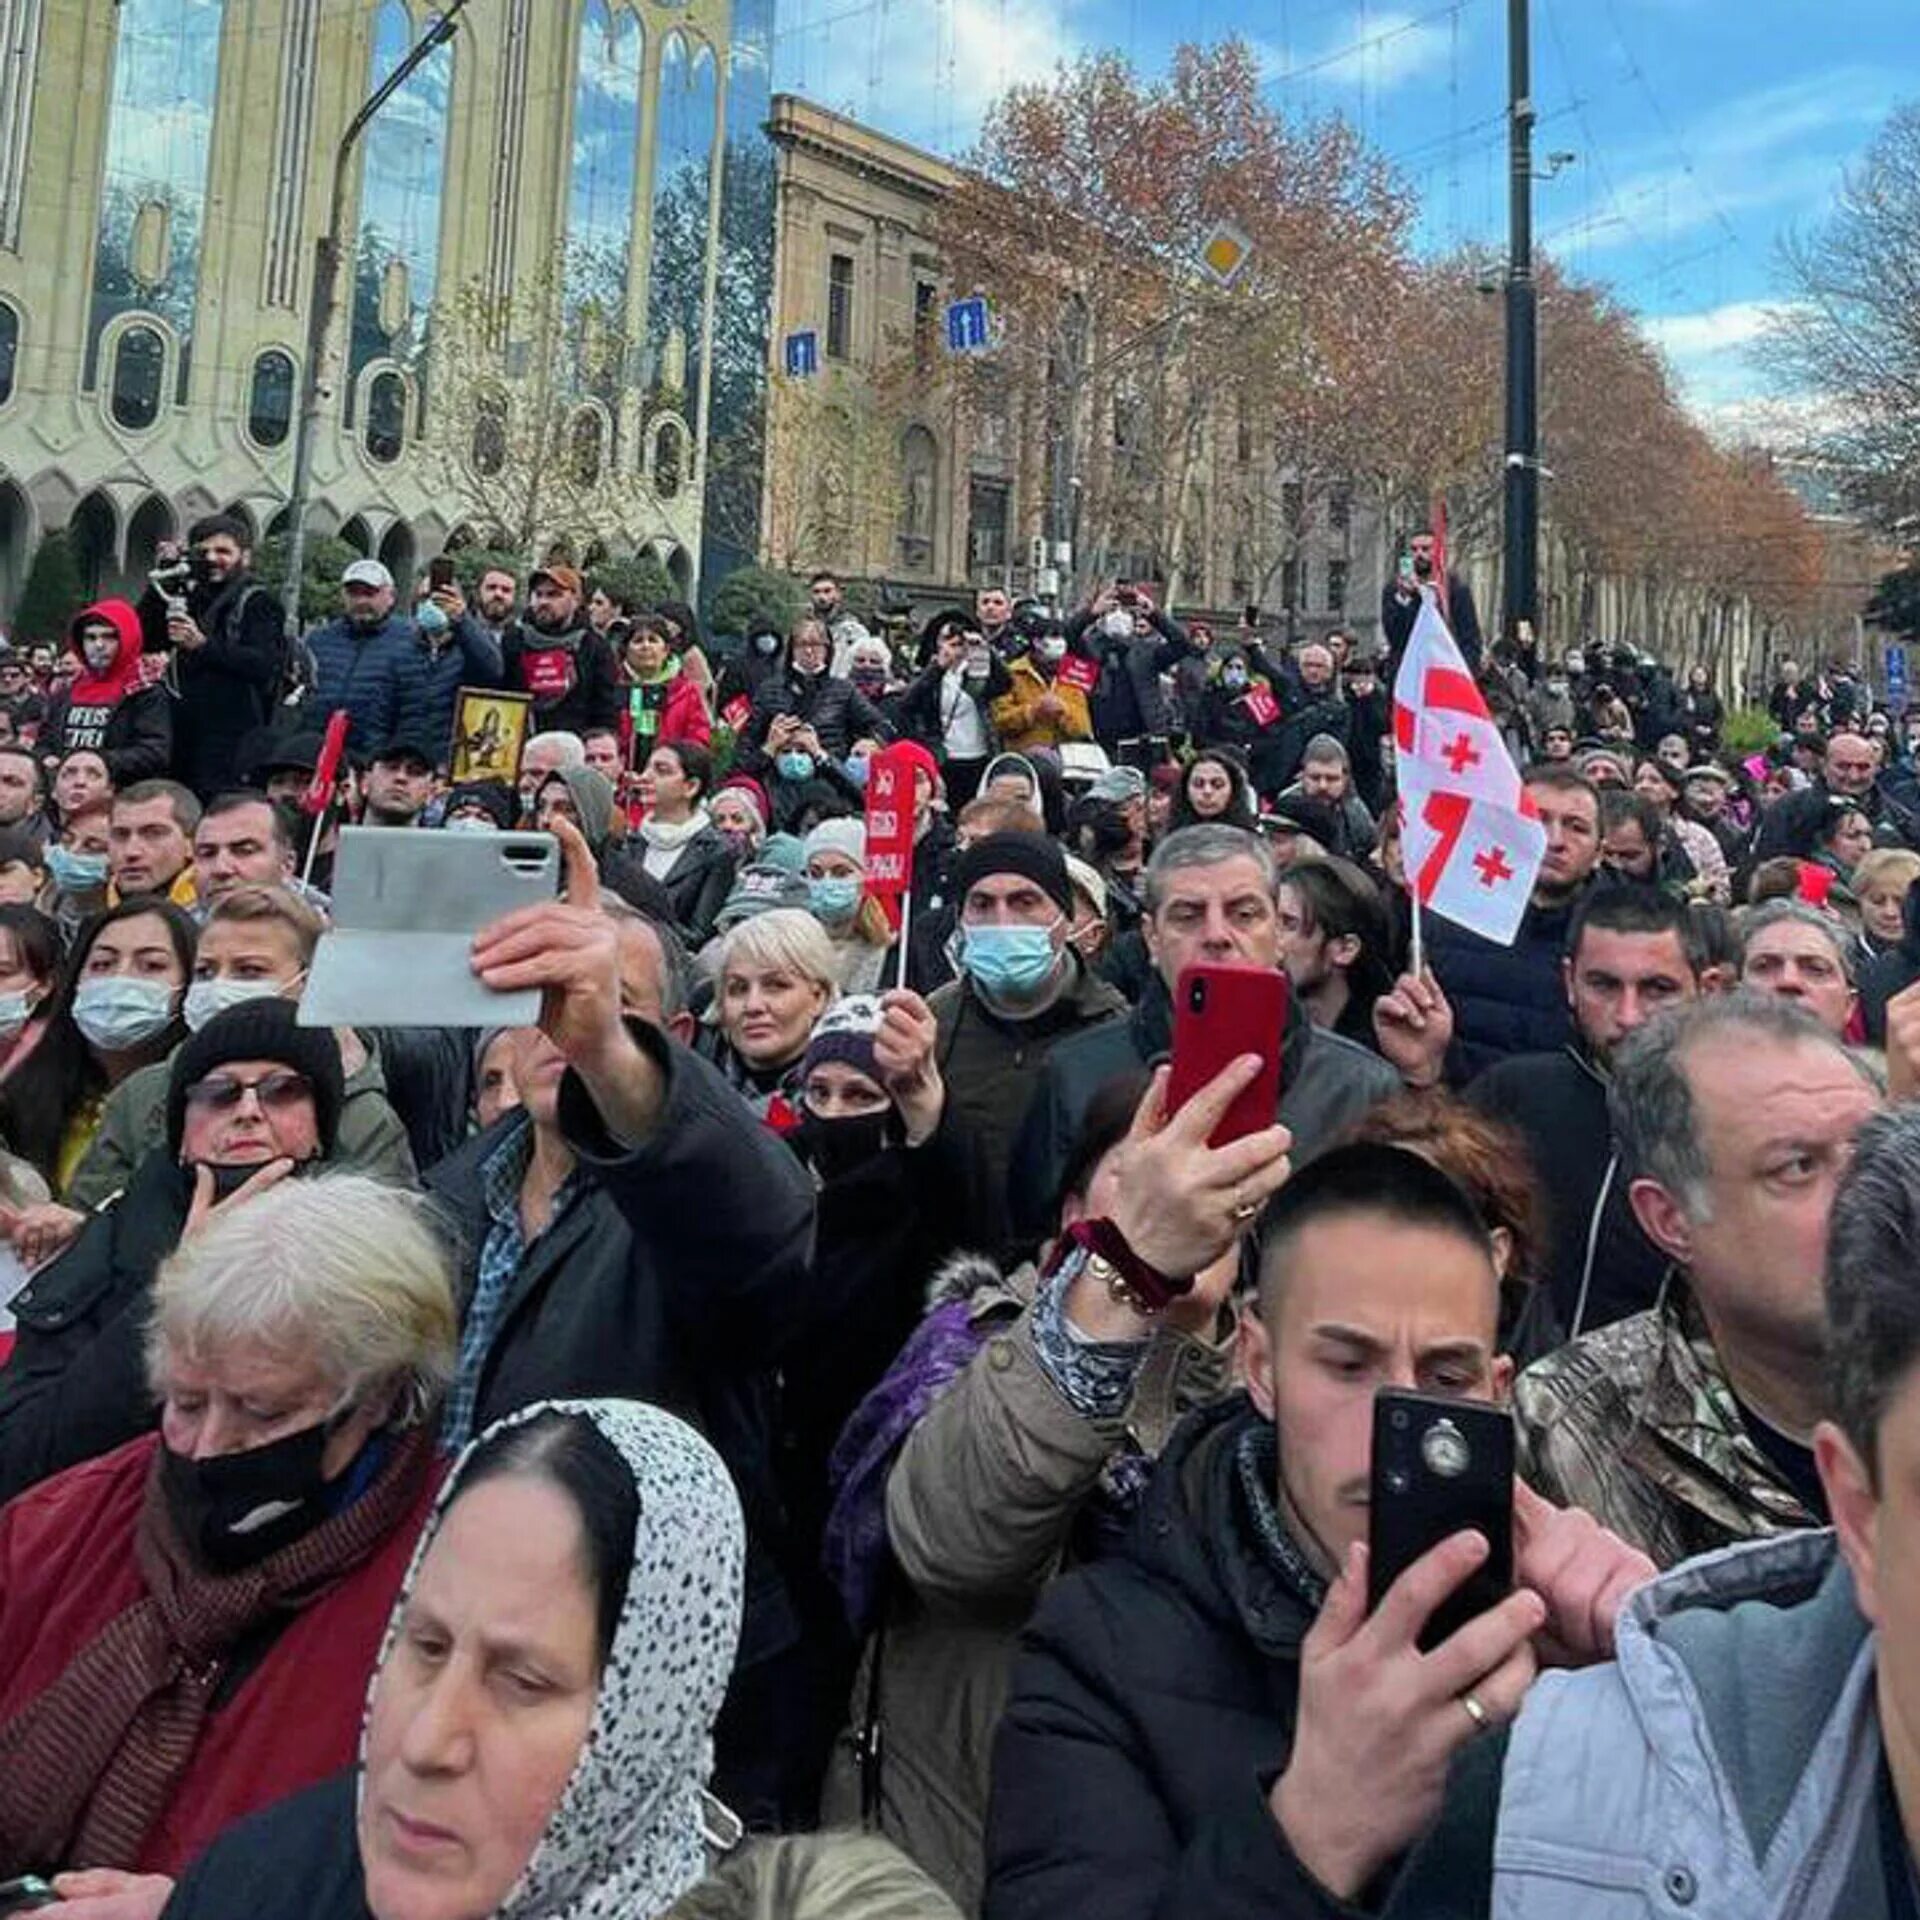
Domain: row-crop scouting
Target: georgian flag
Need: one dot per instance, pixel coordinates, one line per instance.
(1471, 837)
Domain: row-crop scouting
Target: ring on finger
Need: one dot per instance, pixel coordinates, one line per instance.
(1481, 1718)
(1244, 1210)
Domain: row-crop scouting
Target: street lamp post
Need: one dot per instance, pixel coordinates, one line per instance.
(1523, 426)
(314, 393)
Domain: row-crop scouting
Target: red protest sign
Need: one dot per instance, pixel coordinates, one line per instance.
(1262, 705)
(737, 712)
(1076, 670)
(890, 822)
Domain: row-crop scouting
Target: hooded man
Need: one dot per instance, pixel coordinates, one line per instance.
(586, 799)
(115, 705)
(558, 658)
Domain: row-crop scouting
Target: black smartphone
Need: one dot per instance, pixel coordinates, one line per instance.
(1441, 1466)
(439, 573)
(26, 1895)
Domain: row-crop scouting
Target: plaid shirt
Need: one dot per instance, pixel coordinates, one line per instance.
(501, 1254)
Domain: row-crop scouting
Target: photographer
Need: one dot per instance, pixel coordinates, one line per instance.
(1136, 644)
(226, 633)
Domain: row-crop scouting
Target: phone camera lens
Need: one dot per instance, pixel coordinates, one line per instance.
(1398, 1419)
(1197, 996)
(1396, 1480)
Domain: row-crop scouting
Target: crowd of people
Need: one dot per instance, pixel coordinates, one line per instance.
(811, 1427)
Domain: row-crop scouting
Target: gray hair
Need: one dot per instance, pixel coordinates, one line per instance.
(570, 749)
(676, 964)
(1755, 921)
(1873, 1292)
(816, 1876)
(1324, 748)
(1210, 845)
(1651, 1102)
(339, 1271)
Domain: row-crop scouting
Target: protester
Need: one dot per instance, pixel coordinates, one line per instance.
(741, 816)
(81, 781)
(1688, 1427)
(1206, 1720)
(836, 857)
(189, 1618)
(950, 706)
(1881, 882)
(1214, 788)
(115, 705)
(150, 842)
(47, 1071)
(1041, 708)
(1334, 945)
(600, 1541)
(257, 944)
(804, 720)
(78, 866)
(23, 867)
(664, 705)
(560, 659)
(1400, 600)
(365, 656)
(775, 973)
(399, 783)
(1799, 953)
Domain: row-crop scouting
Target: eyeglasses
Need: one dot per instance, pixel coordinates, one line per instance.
(276, 1092)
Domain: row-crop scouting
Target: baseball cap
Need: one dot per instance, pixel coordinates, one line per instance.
(367, 573)
(760, 889)
(567, 579)
(1119, 784)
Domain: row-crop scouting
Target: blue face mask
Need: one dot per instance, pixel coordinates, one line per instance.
(76, 872)
(834, 900)
(1011, 962)
(116, 1014)
(795, 766)
(856, 770)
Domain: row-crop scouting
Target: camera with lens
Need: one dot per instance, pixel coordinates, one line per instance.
(174, 578)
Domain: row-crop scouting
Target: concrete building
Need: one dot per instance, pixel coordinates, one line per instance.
(165, 168)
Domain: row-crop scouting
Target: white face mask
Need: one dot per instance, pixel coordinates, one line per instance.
(16, 1009)
(116, 1014)
(1117, 625)
(206, 998)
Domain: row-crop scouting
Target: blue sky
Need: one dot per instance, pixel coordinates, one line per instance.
(1704, 129)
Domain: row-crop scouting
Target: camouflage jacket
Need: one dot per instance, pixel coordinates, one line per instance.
(1636, 1423)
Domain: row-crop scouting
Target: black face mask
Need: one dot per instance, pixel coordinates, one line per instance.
(276, 1488)
(229, 1177)
(837, 1148)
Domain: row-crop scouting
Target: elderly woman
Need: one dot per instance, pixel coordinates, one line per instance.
(186, 1623)
(251, 1098)
(775, 975)
(539, 1734)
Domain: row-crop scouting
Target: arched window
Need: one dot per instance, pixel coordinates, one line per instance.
(403, 176)
(386, 430)
(682, 197)
(166, 70)
(490, 434)
(139, 368)
(669, 458)
(9, 349)
(270, 398)
(600, 192)
(587, 447)
(919, 479)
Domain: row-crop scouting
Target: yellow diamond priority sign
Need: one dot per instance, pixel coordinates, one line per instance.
(1225, 253)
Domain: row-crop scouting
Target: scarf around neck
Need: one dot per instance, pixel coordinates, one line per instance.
(665, 835)
(89, 1765)
(628, 1837)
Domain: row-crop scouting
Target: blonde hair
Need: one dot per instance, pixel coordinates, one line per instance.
(783, 937)
(816, 1876)
(338, 1270)
(256, 905)
(1885, 867)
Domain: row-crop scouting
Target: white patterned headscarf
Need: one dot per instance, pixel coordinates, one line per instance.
(627, 1837)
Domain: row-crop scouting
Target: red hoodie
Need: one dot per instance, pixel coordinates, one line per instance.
(128, 674)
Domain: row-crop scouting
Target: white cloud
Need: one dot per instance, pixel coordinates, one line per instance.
(1686, 337)
(1368, 48)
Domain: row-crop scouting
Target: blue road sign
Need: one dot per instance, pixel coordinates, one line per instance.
(1897, 679)
(969, 325)
(803, 355)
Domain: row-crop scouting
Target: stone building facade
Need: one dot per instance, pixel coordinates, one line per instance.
(165, 170)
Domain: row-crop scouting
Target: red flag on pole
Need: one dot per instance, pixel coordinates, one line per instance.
(326, 773)
(1472, 837)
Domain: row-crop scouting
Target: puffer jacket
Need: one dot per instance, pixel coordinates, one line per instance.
(124, 715)
(1637, 1425)
(1722, 1766)
(835, 709)
(363, 670)
(993, 1487)
(468, 656)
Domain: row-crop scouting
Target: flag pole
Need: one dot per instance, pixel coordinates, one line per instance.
(314, 839)
(906, 928)
(1419, 956)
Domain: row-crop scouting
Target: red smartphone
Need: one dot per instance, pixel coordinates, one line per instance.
(1219, 1013)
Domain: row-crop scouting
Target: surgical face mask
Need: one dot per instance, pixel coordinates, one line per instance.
(1576, 663)
(116, 1014)
(1234, 678)
(1011, 962)
(16, 1009)
(235, 1509)
(1117, 625)
(795, 766)
(205, 998)
(766, 644)
(856, 770)
(467, 823)
(834, 900)
(1051, 647)
(100, 651)
(1558, 688)
(76, 872)
(740, 839)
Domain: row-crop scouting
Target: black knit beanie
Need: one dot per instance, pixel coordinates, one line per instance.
(1031, 855)
(260, 1030)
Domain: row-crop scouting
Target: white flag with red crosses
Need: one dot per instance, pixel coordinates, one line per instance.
(1470, 836)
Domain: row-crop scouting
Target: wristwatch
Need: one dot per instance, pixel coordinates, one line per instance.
(1127, 1278)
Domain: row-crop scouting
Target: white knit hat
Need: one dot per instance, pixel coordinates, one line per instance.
(846, 837)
